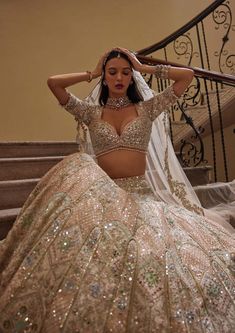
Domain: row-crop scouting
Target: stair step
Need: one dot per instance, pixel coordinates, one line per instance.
(200, 115)
(37, 148)
(219, 192)
(198, 175)
(26, 167)
(213, 94)
(178, 122)
(7, 218)
(217, 195)
(197, 107)
(13, 193)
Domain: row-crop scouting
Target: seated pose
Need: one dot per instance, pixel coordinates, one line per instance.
(95, 247)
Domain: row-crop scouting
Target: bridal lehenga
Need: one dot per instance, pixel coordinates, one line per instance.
(90, 254)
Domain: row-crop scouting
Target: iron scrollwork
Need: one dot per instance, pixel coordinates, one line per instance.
(222, 16)
(191, 150)
(192, 96)
(183, 46)
(191, 153)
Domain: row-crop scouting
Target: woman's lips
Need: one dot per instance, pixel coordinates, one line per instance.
(119, 86)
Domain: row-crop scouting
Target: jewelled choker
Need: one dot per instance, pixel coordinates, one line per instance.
(118, 103)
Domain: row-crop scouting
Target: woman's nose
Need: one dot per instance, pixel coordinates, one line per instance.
(119, 76)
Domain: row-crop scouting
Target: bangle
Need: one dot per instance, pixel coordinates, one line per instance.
(162, 71)
(90, 76)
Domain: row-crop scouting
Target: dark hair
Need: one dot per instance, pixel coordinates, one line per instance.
(132, 91)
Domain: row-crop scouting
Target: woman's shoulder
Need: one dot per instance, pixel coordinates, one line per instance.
(76, 103)
(168, 94)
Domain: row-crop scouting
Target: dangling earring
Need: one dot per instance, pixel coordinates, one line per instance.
(104, 83)
(131, 82)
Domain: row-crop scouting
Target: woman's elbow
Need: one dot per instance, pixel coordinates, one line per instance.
(190, 74)
(51, 82)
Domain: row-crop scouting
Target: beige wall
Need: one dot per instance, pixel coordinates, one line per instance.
(44, 37)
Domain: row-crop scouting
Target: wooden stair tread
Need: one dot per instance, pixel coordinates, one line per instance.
(204, 167)
(30, 159)
(7, 219)
(8, 214)
(37, 148)
(16, 182)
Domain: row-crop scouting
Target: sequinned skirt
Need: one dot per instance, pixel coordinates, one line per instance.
(90, 254)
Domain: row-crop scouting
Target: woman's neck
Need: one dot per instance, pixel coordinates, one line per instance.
(118, 102)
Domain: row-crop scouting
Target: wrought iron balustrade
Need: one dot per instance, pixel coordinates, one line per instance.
(214, 71)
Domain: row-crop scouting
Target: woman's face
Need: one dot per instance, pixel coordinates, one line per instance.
(118, 76)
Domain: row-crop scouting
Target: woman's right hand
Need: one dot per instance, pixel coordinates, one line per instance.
(99, 67)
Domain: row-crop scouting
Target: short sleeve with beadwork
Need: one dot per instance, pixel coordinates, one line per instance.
(80, 109)
(160, 102)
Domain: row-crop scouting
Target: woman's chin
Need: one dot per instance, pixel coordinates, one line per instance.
(118, 92)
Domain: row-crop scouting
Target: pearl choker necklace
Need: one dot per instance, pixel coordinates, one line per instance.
(117, 103)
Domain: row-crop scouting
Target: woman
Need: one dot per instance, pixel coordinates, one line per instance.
(94, 249)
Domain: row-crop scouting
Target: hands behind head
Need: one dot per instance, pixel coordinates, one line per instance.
(135, 62)
(99, 67)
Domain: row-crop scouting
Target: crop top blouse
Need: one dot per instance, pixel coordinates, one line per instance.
(135, 135)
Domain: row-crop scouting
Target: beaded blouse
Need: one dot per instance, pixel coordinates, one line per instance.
(135, 135)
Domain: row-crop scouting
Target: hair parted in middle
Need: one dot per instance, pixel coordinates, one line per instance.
(132, 91)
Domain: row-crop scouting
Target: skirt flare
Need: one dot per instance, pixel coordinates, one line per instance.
(90, 254)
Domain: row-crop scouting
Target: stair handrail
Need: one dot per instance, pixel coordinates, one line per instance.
(164, 42)
(198, 72)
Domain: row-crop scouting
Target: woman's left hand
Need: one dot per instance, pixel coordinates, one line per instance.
(135, 62)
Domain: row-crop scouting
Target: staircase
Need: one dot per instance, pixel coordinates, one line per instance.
(22, 164)
(199, 114)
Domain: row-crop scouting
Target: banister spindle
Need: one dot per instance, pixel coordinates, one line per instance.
(222, 133)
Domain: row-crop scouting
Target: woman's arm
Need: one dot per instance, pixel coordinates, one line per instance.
(181, 76)
(59, 83)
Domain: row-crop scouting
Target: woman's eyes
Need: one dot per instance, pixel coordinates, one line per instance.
(114, 72)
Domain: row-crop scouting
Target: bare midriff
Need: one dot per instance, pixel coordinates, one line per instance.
(123, 163)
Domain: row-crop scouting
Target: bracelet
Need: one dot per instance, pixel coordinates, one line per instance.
(90, 76)
(162, 71)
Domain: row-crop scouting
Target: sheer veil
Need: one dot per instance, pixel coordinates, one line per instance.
(164, 172)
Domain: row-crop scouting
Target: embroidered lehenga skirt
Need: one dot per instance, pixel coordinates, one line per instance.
(89, 254)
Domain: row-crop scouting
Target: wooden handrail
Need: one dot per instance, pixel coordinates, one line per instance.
(163, 43)
(199, 72)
